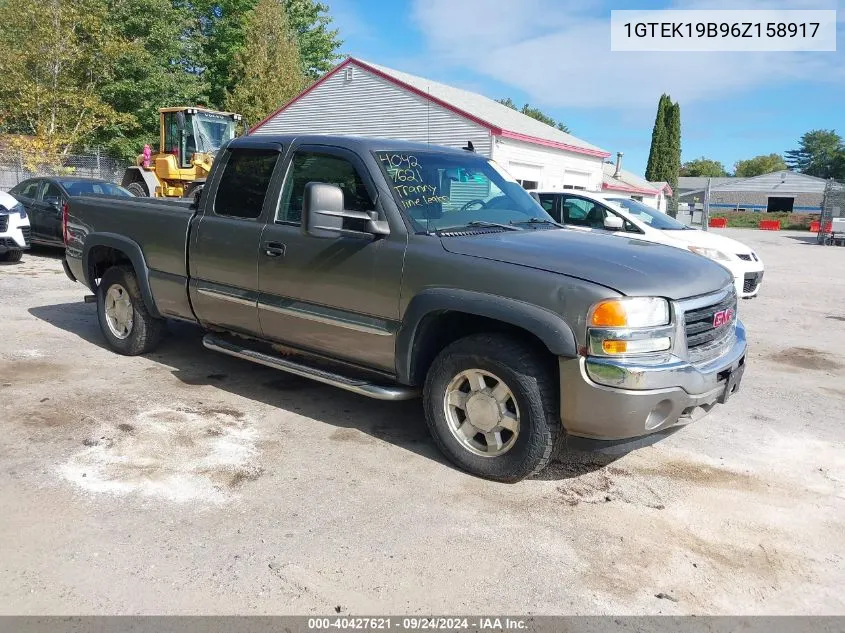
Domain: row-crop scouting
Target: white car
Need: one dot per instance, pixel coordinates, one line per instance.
(615, 213)
(14, 229)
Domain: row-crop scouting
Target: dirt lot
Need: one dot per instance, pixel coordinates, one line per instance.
(189, 482)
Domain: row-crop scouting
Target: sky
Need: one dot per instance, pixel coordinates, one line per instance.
(555, 55)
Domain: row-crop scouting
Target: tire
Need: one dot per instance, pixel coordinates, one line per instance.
(13, 255)
(138, 189)
(532, 398)
(132, 330)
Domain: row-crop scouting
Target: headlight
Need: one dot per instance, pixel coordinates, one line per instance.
(630, 312)
(630, 325)
(19, 209)
(710, 253)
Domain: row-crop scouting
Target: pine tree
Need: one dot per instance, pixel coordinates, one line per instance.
(664, 157)
(673, 126)
(267, 71)
(659, 139)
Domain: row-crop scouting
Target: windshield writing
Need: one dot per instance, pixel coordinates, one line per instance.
(441, 191)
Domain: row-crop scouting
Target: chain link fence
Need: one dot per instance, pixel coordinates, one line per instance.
(95, 164)
(833, 206)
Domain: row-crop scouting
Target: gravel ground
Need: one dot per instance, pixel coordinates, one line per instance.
(186, 482)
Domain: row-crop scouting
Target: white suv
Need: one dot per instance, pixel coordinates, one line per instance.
(620, 215)
(14, 229)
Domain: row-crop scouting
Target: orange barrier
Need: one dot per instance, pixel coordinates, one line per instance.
(770, 225)
(816, 224)
(718, 223)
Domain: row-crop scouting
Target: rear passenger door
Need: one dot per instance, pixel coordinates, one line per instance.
(223, 251)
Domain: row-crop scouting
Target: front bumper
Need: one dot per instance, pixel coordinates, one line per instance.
(14, 238)
(617, 399)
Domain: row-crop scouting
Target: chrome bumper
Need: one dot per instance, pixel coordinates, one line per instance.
(613, 399)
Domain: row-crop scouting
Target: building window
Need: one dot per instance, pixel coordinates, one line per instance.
(578, 187)
(637, 198)
(528, 184)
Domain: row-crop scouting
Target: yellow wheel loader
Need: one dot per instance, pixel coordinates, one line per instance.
(190, 137)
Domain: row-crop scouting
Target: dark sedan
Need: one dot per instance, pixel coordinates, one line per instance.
(43, 199)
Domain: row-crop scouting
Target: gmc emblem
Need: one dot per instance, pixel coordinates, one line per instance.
(723, 317)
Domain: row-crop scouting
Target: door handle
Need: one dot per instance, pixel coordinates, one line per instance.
(274, 249)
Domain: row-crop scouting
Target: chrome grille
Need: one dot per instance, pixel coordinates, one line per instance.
(4, 223)
(699, 324)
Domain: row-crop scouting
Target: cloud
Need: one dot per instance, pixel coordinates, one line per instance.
(559, 54)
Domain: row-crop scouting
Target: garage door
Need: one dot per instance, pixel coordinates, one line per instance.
(576, 180)
(529, 176)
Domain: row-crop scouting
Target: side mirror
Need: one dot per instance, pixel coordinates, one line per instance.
(323, 214)
(613, 223)
(54, 203)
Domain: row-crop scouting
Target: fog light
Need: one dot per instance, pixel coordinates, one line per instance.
(636, 347)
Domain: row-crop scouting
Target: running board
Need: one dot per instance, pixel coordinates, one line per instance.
(362, 387)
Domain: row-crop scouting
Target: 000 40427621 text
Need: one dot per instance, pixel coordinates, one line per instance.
(404, 168)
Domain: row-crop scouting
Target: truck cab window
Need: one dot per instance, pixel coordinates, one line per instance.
(243, 185)
(333, 170)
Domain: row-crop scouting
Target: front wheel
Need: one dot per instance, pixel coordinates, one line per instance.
(491, 406)
(137, 189)
(13, 255)
(127, 326)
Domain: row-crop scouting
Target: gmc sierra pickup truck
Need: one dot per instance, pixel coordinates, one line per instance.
(395, 269)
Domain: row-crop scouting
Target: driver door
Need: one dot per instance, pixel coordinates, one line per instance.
(49, 211)
(335, 295)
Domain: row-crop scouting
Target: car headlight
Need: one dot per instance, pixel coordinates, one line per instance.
(629, 325)
(630, 312)
(710, 253)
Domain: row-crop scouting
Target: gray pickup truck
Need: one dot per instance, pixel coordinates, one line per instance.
(394, 270)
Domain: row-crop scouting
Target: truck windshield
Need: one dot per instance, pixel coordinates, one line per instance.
(212, 130)
(440, 191)
(644, 213)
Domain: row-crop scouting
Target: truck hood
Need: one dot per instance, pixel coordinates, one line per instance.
(630, 267)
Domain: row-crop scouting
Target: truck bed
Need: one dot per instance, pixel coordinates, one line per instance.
(157, 226)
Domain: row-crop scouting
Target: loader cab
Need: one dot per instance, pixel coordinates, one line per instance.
(189, 131)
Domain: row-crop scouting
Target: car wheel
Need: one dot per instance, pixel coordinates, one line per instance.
(491, 405)
(137, 189)
(13, 255)
(126, 324)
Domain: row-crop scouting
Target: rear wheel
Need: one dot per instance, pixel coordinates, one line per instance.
(491, 406)
(138, 189)
(126, 324)
(13, 255)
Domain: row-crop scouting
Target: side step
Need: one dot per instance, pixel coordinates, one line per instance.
(355, 385)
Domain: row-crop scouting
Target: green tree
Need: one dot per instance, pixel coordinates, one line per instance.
(267, 71)
(763, 164)
(819, 154)
(318, 42)
(673, 125)
(534, 113)
(664, 157)
(656, 165)
(703, 167)
(222, 29)
(55, 57)
(154, 70)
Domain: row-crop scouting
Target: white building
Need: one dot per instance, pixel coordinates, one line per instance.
(618, 180)
(363, 99)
